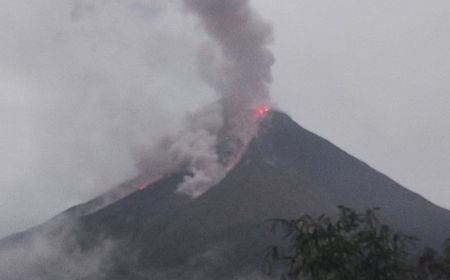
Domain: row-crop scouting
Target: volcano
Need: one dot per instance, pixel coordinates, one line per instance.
(157, 233)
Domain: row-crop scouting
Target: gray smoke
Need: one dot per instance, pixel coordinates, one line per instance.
(242, 76)
(239, 72)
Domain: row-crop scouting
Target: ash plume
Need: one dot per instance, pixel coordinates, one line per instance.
(241, 78)
(240, 74)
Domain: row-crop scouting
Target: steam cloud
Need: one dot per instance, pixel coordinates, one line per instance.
(52, 253)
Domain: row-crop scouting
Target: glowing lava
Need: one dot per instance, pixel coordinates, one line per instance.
(149, 181)
(261, 111)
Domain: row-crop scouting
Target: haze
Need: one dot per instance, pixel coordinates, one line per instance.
(86, 86)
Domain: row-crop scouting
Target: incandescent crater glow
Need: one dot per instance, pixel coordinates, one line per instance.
(261, 111)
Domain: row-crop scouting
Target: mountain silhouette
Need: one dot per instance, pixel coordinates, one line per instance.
(286, 172)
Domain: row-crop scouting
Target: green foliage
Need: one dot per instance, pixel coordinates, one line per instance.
(431, 266)
(353, 246)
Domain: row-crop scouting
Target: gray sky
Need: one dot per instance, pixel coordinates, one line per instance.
(86, 85)
(374, 78)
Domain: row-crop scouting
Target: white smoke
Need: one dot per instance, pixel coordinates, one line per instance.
(195, 149)
(51, 253)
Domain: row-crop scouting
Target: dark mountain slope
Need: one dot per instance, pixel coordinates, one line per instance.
(287, 171)
(349, 181)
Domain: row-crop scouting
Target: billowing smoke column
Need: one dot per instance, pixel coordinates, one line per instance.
(242, 77)
(240, 73)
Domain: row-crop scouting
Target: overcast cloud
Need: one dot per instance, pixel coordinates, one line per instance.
(85, 85)
(373, 77)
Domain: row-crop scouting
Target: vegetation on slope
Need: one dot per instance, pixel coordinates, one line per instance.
(352, 246)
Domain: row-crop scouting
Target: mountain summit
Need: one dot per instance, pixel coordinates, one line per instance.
(156, 233)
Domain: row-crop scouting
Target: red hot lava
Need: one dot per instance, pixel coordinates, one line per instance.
(261, 111)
